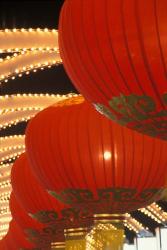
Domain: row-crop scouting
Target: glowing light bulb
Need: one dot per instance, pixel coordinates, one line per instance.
(107, 155)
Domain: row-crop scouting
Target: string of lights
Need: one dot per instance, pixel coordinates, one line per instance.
(10, 152)
(11, 156)
(155, 212)
(19, 109)
(4, 223)
(21, 101)
(133, 225)
(11, 141)
(17, 40)
(24, 63)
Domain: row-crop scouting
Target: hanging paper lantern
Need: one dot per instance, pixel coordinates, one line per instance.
(42, 206)
(115, 54)
(20, 215)
(32, 197)
(31, 227)
(86, 160)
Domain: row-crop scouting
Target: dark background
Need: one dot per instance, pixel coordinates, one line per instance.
(42, 14)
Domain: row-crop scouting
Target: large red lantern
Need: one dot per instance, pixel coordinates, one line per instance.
(87, 161)
(115, 53)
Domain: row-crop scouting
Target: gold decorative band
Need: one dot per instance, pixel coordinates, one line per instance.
(78, 229)
(107, 221)
(58, 245)
(108, 215)
(75, 233)
(115, 219)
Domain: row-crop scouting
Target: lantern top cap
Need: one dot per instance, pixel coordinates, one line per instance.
(74, 100)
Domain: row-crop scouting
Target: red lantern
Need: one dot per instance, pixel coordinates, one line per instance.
(115, 54)
(42, 206)
(32, 197)
(21, 217)
(87, 161)
(31, 228)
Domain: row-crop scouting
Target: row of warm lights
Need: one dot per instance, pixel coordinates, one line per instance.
(27, 96)
(38, 95)
(9, 160)
(5, 111)
(14, 122)
(157, 211)
(3, 166)
(162, 211)
(2, 227)
(4, 194)
(4, 210)
(5, 149)
(9, 57)
(6, 169)
(5, 218)
(4, 197)
(137, 224)
(133, 224)
(22, 51)
(25, 31)
(5, 79)
(11, 157)
(11, 137)
(29, 30)
(26, 51)
(28, 70)
(150, 214)
(3, 233)
(15, 99)
(26, 117)
(131, 227)
(4, 184)
(5, 174)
